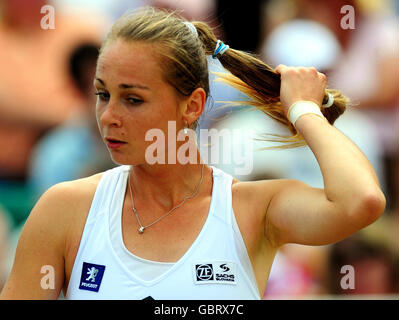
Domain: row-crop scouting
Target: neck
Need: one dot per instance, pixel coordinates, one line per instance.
(166, 185)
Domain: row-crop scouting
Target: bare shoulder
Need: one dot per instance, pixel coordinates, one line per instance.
(70, 202)
(79, 189)
(46, 238)
(64, 204)
(66, 198)
(71, 190)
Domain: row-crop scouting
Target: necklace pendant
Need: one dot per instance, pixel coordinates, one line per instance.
(141, 230)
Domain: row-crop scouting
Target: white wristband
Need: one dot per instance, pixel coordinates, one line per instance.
(301, 108)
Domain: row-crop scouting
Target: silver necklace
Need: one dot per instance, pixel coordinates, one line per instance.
(142, 228)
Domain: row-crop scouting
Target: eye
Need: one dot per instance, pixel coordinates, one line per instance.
(134, 101)
(103, 96)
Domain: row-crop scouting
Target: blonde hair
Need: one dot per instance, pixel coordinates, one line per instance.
(184, 64)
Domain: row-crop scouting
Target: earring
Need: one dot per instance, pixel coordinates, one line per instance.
(185, 130)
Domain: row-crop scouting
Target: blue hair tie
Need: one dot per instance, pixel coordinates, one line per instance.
(219, 49)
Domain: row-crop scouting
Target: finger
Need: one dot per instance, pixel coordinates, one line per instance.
(313, 69)
(322, 76)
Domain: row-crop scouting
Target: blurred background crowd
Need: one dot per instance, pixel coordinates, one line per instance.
(48, 131)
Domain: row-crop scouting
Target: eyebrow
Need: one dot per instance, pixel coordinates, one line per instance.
(124, 85)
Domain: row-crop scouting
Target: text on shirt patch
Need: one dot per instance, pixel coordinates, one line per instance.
(215, 272)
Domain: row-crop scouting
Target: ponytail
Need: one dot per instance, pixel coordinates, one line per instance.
(261, 84)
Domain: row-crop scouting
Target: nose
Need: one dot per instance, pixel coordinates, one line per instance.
(111, 114)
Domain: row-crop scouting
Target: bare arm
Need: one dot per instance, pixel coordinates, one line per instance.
(351, 199)
(40, 248)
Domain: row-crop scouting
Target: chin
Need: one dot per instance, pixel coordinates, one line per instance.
(120, 159)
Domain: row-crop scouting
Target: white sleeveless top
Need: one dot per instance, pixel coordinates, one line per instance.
(216, 266)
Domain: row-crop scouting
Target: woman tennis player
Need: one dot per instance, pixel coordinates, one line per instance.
(188, 231)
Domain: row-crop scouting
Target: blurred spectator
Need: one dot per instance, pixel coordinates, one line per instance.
(298, 271)
(368, 67)
(74, 149)
(302, 42)
(241, 24)
(111, 9)
(375, 270)
(36, 92)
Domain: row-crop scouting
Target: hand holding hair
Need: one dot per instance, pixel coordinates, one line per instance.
(300, 84)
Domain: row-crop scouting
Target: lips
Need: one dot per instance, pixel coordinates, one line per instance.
(110, 139)
(114, 143)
